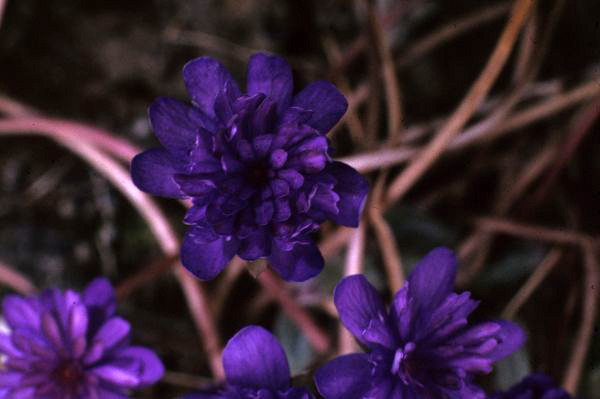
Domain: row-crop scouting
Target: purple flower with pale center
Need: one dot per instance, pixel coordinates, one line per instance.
(534, 386)
(257, 166)
(65, 345)
(256, 367)
(422, 347)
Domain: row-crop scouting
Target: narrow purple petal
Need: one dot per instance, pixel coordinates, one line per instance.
(358, 303)
(18, 312)
(352, 189)
(205, 78)
(432, 279)
(254, 358)
(114, 332)
(177, 125)
(345, 377)
(143, 363)
(272, 76)
(206, 259)
(300, 263)
(152, 171)
(325, 101)
(510, 338)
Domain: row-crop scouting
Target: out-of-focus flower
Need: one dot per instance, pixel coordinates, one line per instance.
(65, 345)
(257, 166)
(422, 347)
(256, 367)
(534, 386)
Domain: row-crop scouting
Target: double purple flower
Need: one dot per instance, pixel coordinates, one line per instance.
(257, 166)
(63, 345)
(256, 367)
(422, 346)
(534, 386)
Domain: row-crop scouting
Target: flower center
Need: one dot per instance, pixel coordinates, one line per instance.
(258, 174)
(402, 366)
(68, 374)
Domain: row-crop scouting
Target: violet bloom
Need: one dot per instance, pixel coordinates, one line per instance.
(534, 386)
(422, 347)
(63, 345)
(256, 367)
(257, 166)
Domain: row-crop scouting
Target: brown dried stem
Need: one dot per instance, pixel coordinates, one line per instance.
(423, 161)
(589, 307)
(385, 238)
(15, 280)
(318, 339)
(533, 282)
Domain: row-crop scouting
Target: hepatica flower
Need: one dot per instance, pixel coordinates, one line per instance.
(534, 386)
(65, 345)
(257, 166)
(422, 347)
(256, 367)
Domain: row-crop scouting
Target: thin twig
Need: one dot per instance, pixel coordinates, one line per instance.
(582, 341)
(531, 232)
(541, 271)
(467, 107)
(385, 239)
(580, 126)
(450, 31)
(480, 132)
(15, 280)
(388, 70)
(318, 339)
(147, 274)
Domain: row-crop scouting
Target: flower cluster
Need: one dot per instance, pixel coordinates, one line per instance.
(422, 347)
(256, 367)
(65, 345)
(257, 166)
(258, 169)
(534, 386)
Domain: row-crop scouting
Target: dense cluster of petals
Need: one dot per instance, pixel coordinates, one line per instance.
(256, 165)
(65, 345)
(534, 386)
(422, 347)
(256, 367)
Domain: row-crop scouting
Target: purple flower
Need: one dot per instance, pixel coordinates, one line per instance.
(422, 347)
(63, 345)
(534, 386)
(256, 368)
(257, 166)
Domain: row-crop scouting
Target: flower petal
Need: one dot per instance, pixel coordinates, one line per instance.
(152, 171)
(143, 363)
(302, 262)
(19, 312)
(432, 279)
(345, 377)
(272, 76)
(326, 102)
(510, 338)
(358, 303)
(205, 78)
(254, 358)
(352, 189)
(177, 125)
(206, 259)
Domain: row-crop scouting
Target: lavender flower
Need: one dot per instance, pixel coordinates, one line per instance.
(256, 368)
(71, 346)
(422, 347)
(534, 386)
(256, 165)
